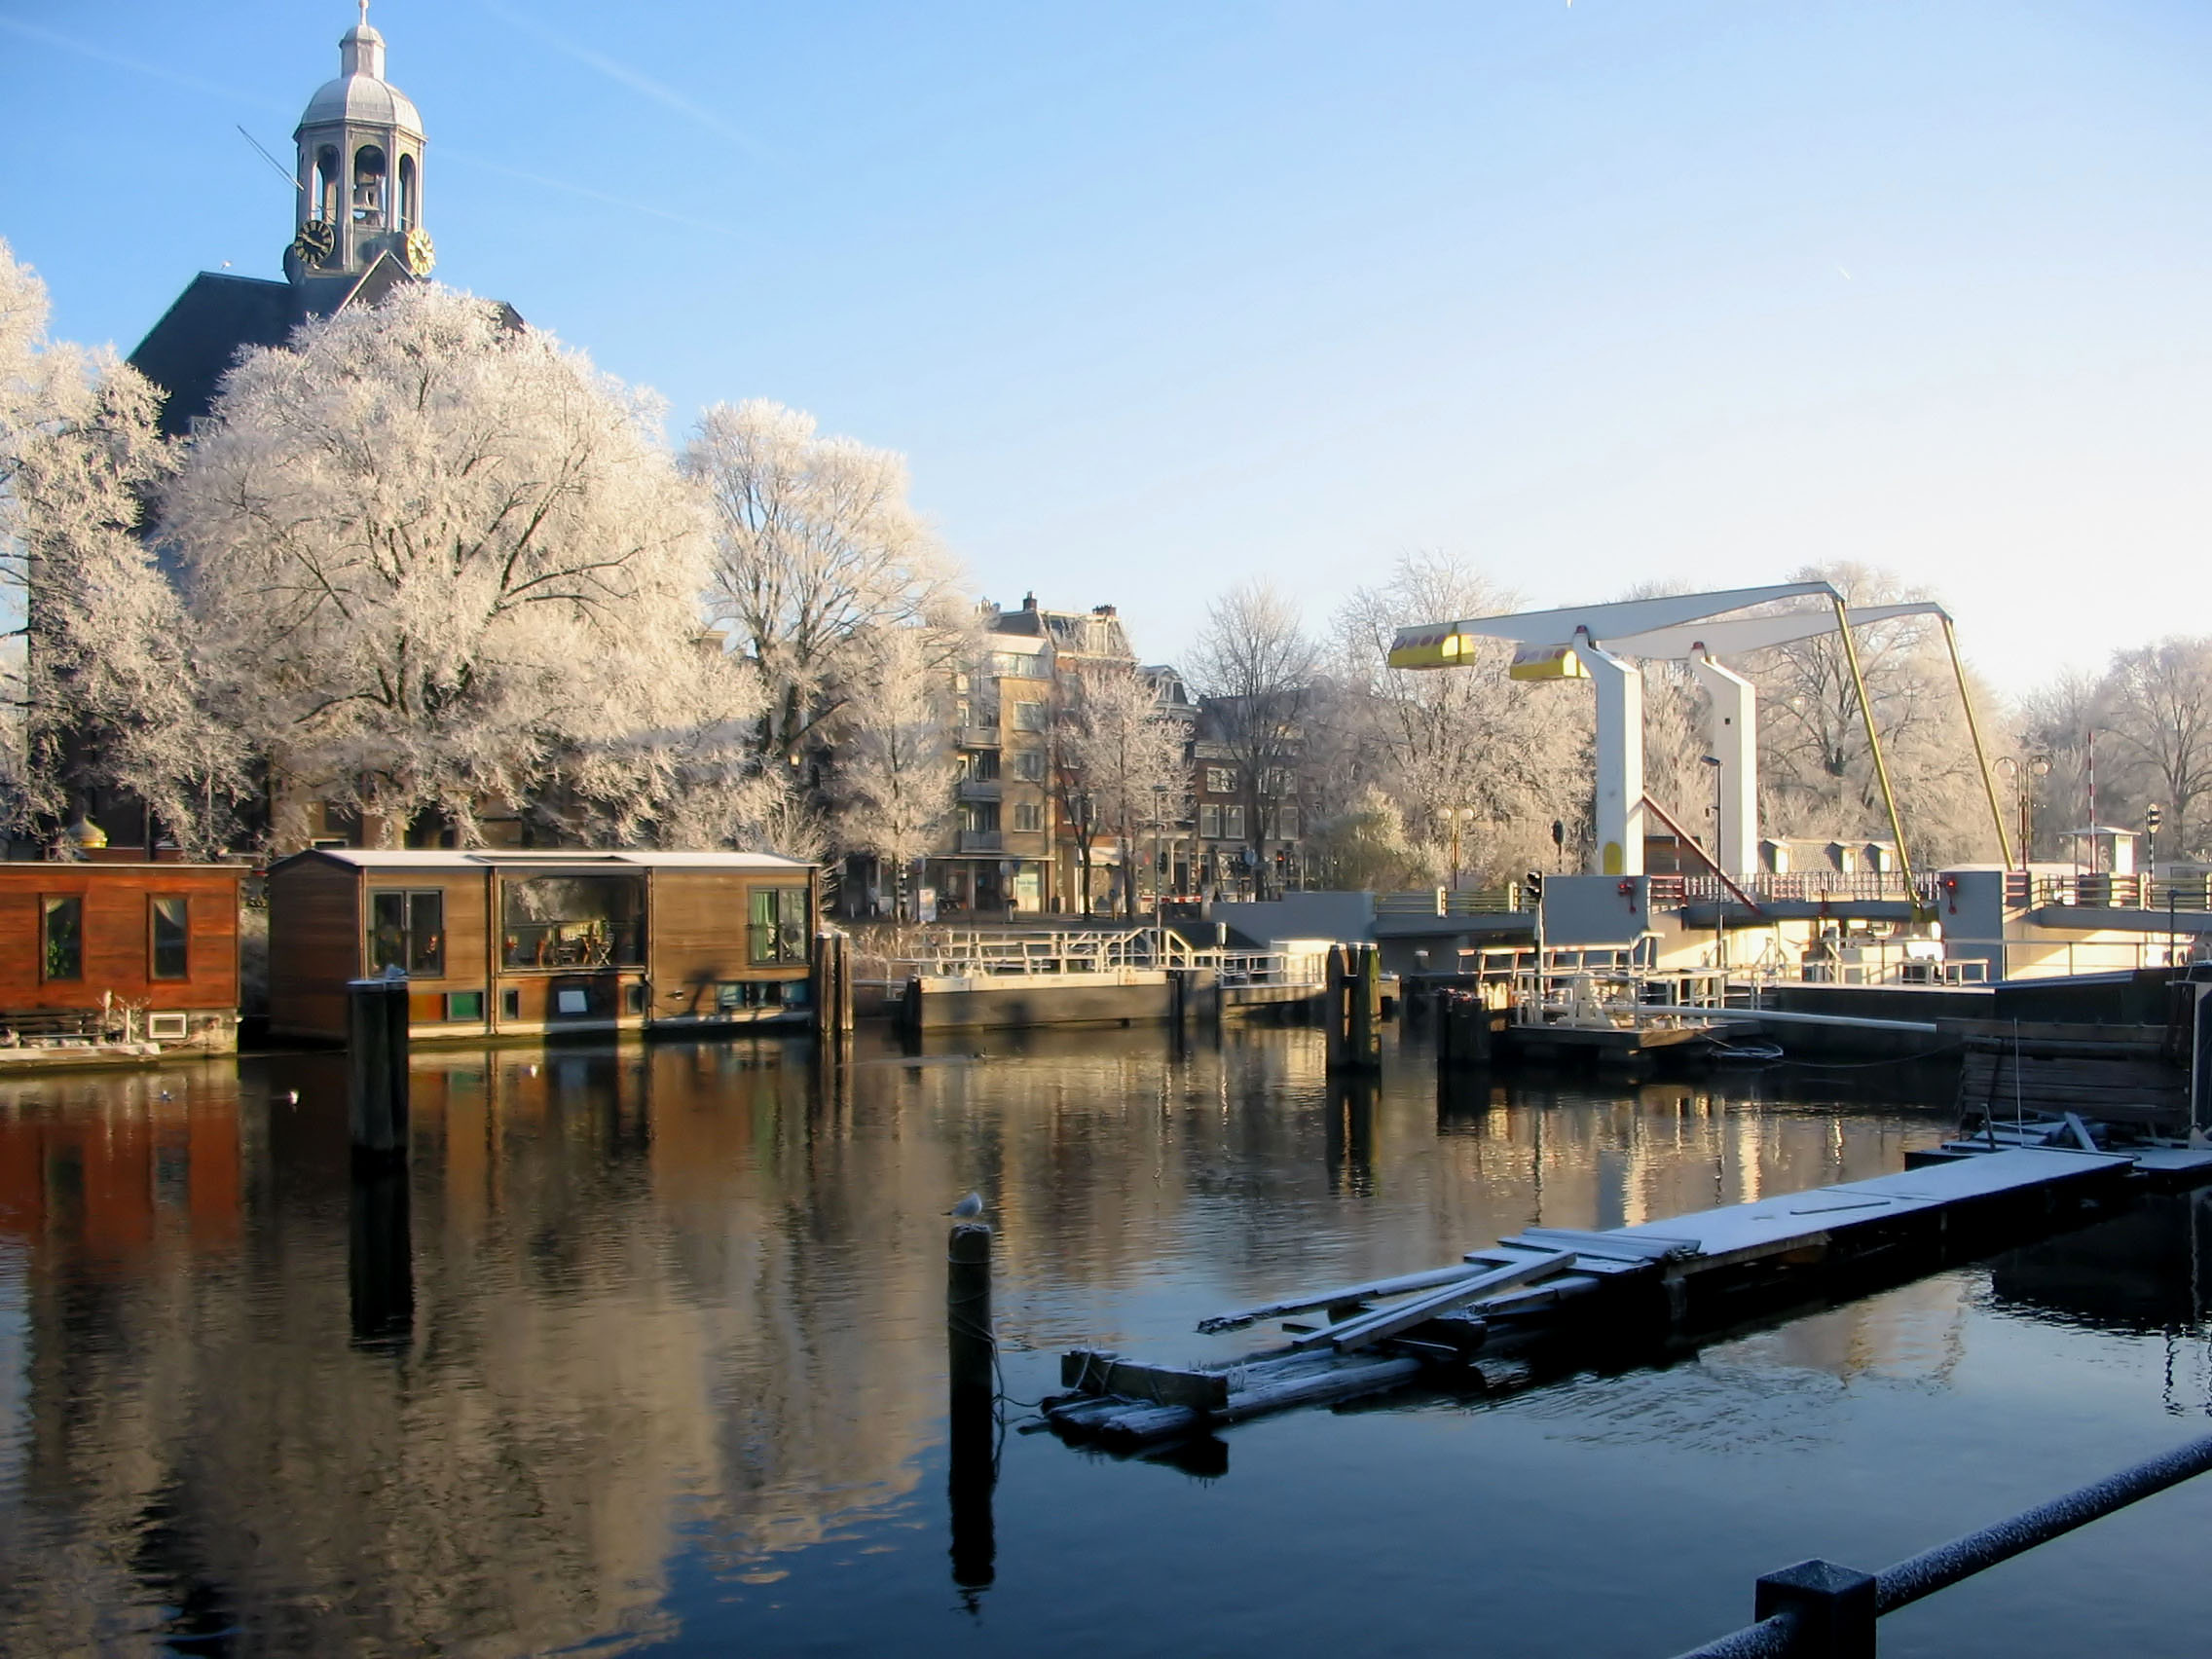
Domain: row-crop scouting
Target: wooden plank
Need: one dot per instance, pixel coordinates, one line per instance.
(1353, 1334)
(1099, 1372)
(1643, 1248)
(1374, 1289)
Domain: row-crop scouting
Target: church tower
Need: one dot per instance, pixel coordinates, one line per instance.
(360, 178)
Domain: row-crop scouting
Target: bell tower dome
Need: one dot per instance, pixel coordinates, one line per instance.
(360, 177)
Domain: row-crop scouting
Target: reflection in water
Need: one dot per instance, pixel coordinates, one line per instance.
(652, 1334)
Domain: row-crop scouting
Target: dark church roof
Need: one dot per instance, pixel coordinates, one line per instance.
(189, 351)
(219, 317)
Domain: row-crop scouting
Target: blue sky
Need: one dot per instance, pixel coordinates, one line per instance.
(1155, 297)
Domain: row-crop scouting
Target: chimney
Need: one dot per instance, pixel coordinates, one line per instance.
(1029, 601)
(1104, 611)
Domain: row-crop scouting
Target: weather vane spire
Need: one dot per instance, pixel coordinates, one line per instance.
(364, 14)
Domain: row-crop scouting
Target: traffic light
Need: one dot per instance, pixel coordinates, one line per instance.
(1532, 887)
(2152, 818)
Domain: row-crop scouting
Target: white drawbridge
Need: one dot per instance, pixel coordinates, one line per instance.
(1603, 643)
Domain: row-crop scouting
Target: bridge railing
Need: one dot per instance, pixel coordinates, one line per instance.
(1820, 1610)
(2033, 890)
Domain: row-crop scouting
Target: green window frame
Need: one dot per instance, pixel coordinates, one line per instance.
(776, 928)
(168, 936)
(61, 937)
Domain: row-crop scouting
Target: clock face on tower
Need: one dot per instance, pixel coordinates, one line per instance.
(316, 241)
(420, 254)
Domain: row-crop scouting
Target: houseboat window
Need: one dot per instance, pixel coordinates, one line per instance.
(407, 931)
(778, 932)
(574, 921)
(64, 939)
(464, 1005)
(170, 942)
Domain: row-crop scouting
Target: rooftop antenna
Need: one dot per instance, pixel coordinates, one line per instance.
(281, 171)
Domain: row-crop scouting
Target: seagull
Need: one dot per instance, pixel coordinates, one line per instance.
(969, 1208)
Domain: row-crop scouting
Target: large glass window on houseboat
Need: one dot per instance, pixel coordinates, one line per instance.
(778, 931)
(170, 940)
(574, 921)
(407, 931)
(63, 929)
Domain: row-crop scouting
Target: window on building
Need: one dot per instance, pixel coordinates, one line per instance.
(1277, 781)
(1029, 764)
(62, 938)
(1028, 815)
(1029, 716)
(1286, 821)
(1232, 824)
(1210, 823)
(407, 931)
(778, 929)
(574, 921)
(1220, 779)
(169, 939)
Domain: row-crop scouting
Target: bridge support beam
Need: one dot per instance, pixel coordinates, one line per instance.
(1619, 849)
(1732, 729)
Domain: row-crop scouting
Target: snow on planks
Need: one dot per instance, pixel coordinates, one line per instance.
(1520, 1289)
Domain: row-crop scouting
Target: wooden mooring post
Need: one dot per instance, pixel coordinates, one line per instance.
(1353, 1008)
(1463, 1030)
(375, 1059)
(832, 985)
(971, 1353)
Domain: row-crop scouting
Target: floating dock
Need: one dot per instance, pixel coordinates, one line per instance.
(1477, 1322)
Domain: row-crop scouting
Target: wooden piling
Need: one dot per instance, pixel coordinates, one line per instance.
(1335, 1014)
(376, 1052)
(1364, 1017)
(832, 985)
(972, 1363)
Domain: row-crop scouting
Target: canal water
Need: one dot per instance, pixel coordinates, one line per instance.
(652, 1357)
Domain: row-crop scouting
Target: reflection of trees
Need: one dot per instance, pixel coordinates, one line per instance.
(685, 1300)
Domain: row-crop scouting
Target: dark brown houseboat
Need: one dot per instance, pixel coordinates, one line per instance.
(529, 943)
(136, 953)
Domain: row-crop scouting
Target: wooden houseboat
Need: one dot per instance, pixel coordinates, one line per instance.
(517, 943)
(97, 954)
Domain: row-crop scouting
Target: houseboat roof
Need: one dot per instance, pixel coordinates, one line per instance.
(535, 858)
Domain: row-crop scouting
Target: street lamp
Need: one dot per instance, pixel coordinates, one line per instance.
(1720, 916)
(1158, 823)
(1459, 815)
(2019, 771)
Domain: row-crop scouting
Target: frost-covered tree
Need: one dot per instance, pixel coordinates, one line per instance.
(2157, 702)
(1256, 667)
(1507, 758)
(815, 554)
(1816, 766)
(896, 756)
(101, 677)
(1121, 756)
(440, 561)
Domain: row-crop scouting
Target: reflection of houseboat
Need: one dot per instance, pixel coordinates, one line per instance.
(525, 943)
(116, 958)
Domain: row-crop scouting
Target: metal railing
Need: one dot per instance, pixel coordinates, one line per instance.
(2033, 890)
(966, 953)
(1451, 901)
(1809, 886)
(1820, 1610)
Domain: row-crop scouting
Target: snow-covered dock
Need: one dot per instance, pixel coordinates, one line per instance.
(1471, 1321)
